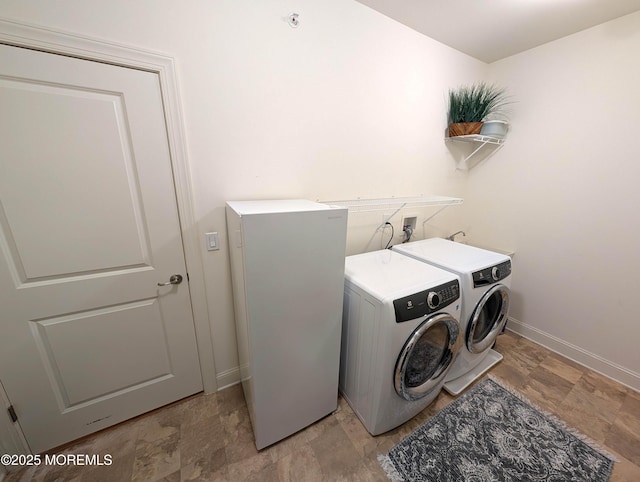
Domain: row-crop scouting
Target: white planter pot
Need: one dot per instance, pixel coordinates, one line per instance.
(495, 128)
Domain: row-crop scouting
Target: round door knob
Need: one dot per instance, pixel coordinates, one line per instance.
(175, 279)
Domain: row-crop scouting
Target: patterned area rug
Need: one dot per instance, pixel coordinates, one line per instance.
(492, 434)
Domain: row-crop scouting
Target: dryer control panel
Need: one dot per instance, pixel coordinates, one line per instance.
(426, 302)
(492, 274)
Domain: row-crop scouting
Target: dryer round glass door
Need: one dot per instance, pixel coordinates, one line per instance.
(488, 319)
(427, 356)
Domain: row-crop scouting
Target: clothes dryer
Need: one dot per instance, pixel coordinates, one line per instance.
(400, 335)
(485, 278)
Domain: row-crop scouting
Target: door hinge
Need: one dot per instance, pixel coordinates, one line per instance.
(12, 414)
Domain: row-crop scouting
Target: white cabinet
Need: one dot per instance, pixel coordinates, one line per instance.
(287, 267)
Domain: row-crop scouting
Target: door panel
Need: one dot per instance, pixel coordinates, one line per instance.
(74, 348)
(50, 244)
(88, 228)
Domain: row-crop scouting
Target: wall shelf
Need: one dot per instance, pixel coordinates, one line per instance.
(396, 204)
(481, 142)
(387, 204)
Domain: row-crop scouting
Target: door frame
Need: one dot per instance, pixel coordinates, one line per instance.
(12, 441)
(21, 34)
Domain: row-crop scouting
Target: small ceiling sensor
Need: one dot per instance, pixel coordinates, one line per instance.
(293, 20)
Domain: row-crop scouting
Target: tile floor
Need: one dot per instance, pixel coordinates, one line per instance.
(209, 437)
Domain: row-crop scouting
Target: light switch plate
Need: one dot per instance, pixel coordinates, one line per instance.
(212, 241)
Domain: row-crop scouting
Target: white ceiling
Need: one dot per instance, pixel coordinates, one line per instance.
(490, 30)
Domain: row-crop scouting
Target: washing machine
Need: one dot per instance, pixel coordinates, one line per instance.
(400, 335)
(485, 278)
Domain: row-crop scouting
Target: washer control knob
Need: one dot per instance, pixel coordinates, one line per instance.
(495, 273)
(433, 299)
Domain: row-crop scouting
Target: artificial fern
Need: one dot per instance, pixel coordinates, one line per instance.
(475, 102)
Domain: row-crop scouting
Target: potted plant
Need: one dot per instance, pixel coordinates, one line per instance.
(470, 105)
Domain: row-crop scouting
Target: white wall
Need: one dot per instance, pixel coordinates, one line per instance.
(563, 193)
(350, 104)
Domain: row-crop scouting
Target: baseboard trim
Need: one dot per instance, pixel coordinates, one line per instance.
(583, 357)
(228, 378)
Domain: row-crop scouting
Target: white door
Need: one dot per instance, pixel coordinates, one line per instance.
(88, 228)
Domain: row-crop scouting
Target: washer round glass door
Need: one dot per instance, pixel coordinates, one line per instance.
(426, 357)
(488, 319)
